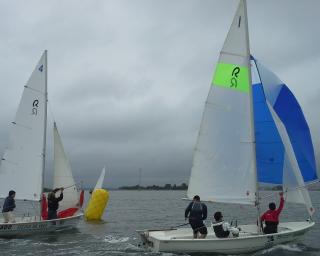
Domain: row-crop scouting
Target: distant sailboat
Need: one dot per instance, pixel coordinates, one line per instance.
(22, 166)
(101, 179)
(245, 137)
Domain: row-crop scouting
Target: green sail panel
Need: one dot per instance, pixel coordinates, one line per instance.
(232, 76)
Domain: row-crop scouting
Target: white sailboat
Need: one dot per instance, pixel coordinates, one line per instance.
(101, 179)
(22, 166)
(227, 147)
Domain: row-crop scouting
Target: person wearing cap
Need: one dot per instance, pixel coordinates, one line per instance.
(271, 217)
(53, 203)
(196, 212)
(221, 228)
(8, 207)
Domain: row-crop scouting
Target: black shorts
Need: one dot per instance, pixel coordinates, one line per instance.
(271, 227)
(198, 226)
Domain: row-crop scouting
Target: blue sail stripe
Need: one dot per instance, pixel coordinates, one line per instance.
(269, 147)
(289, 111)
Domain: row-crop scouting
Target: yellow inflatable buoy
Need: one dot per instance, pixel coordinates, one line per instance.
(96, 205)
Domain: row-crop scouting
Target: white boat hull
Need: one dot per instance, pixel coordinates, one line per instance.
(180, 240)
(31, 226)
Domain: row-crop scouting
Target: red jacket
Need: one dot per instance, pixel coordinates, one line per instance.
(273, 215)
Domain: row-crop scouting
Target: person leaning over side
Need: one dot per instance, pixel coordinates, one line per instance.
(196, 212)
(53, 203)
(271, 217)
(8, 207)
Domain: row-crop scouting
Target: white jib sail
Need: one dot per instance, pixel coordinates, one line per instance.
(62, 176)
(292, 179)
(22, 164)
(224, 159)
(101, 179)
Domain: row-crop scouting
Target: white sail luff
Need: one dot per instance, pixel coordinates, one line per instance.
(101, 179)
(295, 195)
(22, 165)
(62, 175)
(225, 145)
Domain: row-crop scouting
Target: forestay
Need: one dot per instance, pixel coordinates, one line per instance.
(22, 165)
(225, 147)
(62, 176)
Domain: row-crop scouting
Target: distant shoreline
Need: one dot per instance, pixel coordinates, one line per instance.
(183, 186)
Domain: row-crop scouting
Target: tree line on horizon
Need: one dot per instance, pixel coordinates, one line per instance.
(183, 186)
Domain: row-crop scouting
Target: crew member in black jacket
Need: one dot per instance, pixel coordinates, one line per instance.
(197, 213)
(53, 203)
(8, 206)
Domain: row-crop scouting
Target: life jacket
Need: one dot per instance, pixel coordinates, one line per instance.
(53, 202)
(44, 207)
(219, 231)
(196, 207)
(273, 215)
(196, 211)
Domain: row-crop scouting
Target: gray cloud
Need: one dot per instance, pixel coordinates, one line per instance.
(128, 79)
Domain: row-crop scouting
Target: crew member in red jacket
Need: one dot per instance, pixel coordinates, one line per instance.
(271, 217)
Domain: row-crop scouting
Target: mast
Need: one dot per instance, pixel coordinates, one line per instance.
(257, 204)
(45, 124)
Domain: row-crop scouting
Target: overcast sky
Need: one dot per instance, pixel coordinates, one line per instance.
(128, 78)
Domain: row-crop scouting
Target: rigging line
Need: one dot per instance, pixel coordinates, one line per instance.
(292, 189)
(73, 185)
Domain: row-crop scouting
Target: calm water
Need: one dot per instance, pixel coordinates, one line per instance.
(128, 211)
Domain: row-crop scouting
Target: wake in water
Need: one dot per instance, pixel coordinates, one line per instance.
(114, 240)
(283, 247)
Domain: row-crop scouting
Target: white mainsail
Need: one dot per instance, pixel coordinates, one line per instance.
(22, 165)
(101, 179)
(62, 176)
(224, 158)
(292, 179)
